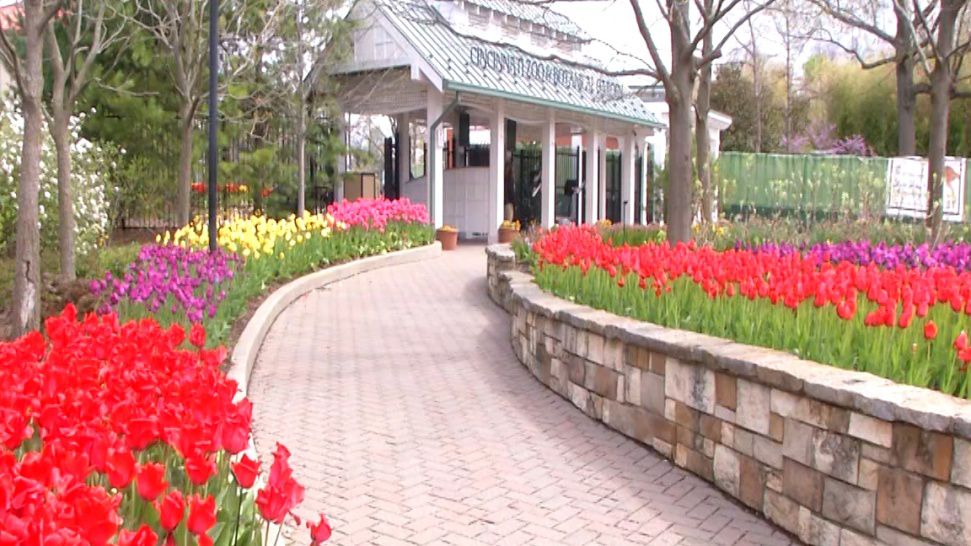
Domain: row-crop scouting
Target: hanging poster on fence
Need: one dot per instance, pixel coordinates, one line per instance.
(907, 188)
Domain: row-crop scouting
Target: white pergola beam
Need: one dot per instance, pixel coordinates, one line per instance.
(434, 167)
(548, 189)
(602, 176)
(628, 174)
(591, 167)
(643, 181)
(404, 149)
(497, 169)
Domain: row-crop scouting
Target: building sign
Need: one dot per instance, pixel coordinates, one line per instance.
(907, 188)
(545, 72)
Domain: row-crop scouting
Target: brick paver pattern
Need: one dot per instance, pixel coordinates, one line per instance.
(412, 422)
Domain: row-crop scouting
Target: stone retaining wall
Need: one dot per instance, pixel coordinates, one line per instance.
(834, 456)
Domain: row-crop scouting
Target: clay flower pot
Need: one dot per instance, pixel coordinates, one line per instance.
(448, 236)
(508, 235)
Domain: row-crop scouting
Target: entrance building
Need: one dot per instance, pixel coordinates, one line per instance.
(479, 90)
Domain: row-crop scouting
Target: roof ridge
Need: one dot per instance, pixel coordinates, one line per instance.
(529, 10)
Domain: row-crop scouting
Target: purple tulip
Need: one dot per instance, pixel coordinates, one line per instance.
(956, 255)
(187, 281)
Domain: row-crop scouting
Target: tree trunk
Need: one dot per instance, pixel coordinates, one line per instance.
(936, 150)
(677, 92)
(756, 88)
(65, 193)
(757, 85)
(702, 157)
(185, 169)
(906, 105)
(678, 199)
(788, 109)
(26, 309)
(941, 81)
(906, 94)
(702, 144)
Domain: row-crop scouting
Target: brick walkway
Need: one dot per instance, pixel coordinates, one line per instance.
(411, 422)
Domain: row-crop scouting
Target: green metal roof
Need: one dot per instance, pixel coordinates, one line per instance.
(466, 63)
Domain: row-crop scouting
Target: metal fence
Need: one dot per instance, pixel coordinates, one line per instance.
(811, 186)
(148, 183)
(527, 164)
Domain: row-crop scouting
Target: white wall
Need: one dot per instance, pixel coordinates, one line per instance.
(466, 201)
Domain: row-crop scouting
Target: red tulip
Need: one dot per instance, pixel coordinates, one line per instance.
(120, 467)
(282, 493)
(319, 532)
(965, 356)
(930, 330)
(151, 481)
(197, 335)
(144, 536)
(202, 514)
(171, 509)
(961, 343)
(246, 471)
(845, 310)
(199, 469)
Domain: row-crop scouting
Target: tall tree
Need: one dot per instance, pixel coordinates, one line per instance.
(939, 23)
(678, 77)
(870, 16)
(75, 39)
(26, 64)
(311, 38)
(180, 27)
(702, 109)
(795, 26)
(758, 83)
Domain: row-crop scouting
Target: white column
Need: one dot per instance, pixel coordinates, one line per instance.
(434, 167)
(548, 189)
(404, 149)
(628, 175)
(580, 213)
(643, 181)
(497, 169)
(343, 161)
(591, 167)
(602, 175)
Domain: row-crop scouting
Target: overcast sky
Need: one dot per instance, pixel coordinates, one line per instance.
(613, 22)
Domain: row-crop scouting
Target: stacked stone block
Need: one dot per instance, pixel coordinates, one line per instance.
(836, 457)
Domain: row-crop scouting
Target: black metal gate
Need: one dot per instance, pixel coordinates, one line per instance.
(527, 169)
(613, 204)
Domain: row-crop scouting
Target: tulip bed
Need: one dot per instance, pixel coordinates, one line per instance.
(903, 318)
(129, 434)
(178, 280)
(119, 428)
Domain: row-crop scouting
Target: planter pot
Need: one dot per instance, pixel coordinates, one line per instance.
(449, 239)
(507, 235)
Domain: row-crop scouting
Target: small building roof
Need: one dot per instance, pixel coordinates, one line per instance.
(468, 63)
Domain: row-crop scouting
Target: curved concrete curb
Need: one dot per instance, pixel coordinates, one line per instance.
(248, 345)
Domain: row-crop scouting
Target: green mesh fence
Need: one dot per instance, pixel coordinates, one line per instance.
(806, 185)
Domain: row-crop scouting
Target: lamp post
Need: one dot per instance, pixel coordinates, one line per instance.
(213, 158)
